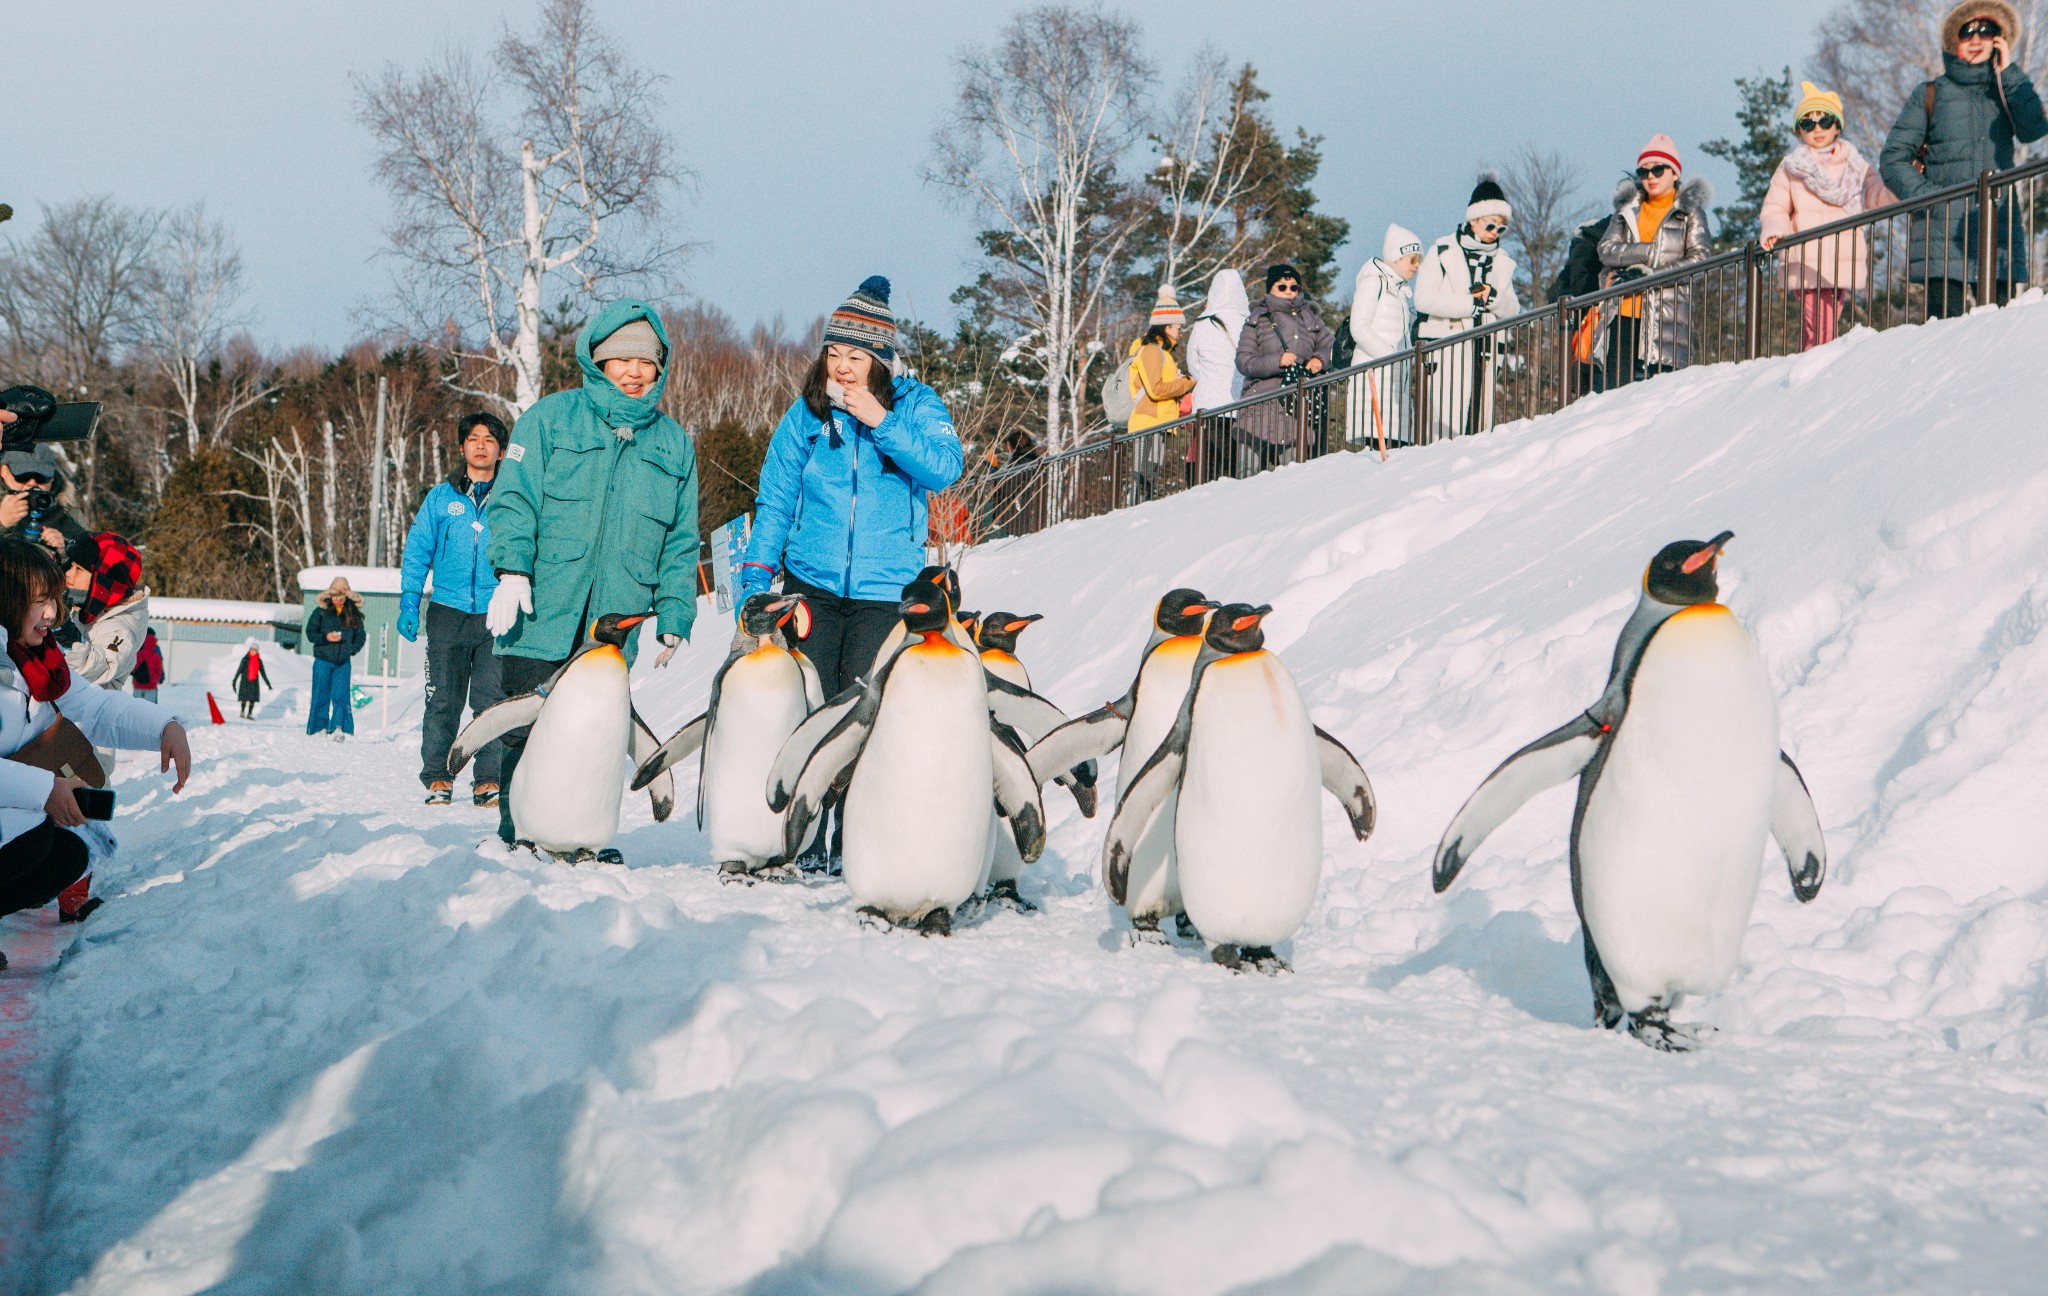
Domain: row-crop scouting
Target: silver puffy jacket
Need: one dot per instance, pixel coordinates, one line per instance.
(1666, 335)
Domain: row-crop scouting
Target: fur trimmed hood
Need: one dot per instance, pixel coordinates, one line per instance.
(1694, 195)
(2007, 17)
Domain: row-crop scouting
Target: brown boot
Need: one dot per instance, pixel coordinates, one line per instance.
(487, 794)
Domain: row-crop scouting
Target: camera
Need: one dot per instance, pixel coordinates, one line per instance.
(40, 499)
(39, 416)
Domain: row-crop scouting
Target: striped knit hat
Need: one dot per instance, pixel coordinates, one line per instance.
(1166, 310)
(1661, 148)
(863, 320)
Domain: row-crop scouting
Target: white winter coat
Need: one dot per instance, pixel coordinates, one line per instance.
(106, 656)
(1381, 306)
(1212, 342)
(107, 718)
(1443, 290)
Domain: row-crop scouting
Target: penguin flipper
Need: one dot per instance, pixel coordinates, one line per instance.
(494, 722)
(1085, 738)
(1543, 764)
(1016, 793)
(804, 741)
(682, 744)
(661, 785)
(1344, 778)
(834, 757)
(1140, 806)
(814, 689)
(1795, 826)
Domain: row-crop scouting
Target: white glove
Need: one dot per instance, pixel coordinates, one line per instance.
(669, 644)
(513, 596)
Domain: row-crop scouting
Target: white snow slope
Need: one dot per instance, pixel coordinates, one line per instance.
(319, 1042)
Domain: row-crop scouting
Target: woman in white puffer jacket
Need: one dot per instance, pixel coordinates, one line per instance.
(1212, 359)
(1382, 322)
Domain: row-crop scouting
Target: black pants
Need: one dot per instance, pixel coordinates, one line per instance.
(846, 633)
(460, 668)
(35, 866)
(1948, 298)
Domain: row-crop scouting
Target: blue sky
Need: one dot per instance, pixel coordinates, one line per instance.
(808, 123)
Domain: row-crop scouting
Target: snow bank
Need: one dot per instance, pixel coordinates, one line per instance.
(320, 1041)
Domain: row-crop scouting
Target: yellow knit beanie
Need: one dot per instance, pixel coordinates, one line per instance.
(1813, 99)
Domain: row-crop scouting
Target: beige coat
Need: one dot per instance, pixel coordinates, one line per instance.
(1840, 261)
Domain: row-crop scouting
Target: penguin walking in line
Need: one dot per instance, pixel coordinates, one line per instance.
(759, 696)
(1138, 722)
(1247, 828)
(916, 760)
(1680, 781)
(565, 794)
(996, 636)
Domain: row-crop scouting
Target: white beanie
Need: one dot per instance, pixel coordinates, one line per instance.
(1398, 243)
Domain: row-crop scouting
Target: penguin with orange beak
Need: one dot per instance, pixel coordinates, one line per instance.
(1681, 780)
(564, 798)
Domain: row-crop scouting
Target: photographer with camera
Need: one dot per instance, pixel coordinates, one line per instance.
(29, 507)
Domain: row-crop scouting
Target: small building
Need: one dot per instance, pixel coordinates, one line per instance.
(194, 633)
(385, 654)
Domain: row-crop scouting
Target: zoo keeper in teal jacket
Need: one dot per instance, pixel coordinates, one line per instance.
(594, 511)
(841, 510)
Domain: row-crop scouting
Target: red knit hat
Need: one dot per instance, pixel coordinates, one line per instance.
(1661, 148)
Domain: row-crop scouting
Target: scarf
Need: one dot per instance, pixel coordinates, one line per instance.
(1478, 263)
(43, 668)
(1836, 177)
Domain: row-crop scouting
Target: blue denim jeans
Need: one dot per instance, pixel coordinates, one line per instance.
(330, 709)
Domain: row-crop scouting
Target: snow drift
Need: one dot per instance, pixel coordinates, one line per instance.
(319, 1041)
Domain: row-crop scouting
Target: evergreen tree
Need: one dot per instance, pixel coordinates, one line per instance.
(1765, 111)
(729, 456)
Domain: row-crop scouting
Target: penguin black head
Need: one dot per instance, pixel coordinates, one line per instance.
(764, 613)
(1682, 573)
(924, 608)
(999, 630)
(611, 628)
(969, 621)
(1235, 628)
(1182, 612)
(948, 582)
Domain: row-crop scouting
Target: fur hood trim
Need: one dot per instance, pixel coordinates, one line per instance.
(1694, 195)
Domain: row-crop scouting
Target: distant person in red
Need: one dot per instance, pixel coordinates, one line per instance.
(149, 668)
(250, 681)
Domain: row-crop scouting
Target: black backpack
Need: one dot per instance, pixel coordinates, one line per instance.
(1345, 346)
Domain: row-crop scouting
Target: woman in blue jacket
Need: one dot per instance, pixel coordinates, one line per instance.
(841, 512)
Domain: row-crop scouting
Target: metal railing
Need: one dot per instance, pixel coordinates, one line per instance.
(1899, 264)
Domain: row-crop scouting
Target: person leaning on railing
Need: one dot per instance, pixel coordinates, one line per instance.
(1157, 386)
(1658, 223)
(1466, 281)
(1382, 322)
(1822, 180)
(1284, 340)
(1949, 130)
(1212, 359)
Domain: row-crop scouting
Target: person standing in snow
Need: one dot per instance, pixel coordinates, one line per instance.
(1212, 360)
(449, 537)
(46, 843)
(841, 513)
(1157, 387)
(337, 634)
(1284, 341)
(149, 667)
(594, 511)
(103, 581)
(1822, 180)
(1951, 128)
(1465, 281)
(1658, 223)
(1382, 322)
(251, 678)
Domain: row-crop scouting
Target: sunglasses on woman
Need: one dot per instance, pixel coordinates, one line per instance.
(1823, 121)
(1491, 225)
(1653, 172)
(1981, 29)
(1286, 288)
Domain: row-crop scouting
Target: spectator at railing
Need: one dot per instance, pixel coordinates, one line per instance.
(1284, 341)
(1951, 128)
(1212, 359)
(1659, 223)
(1822, 180)
(1579, 277)
(1465, 281)
(1382, 322)
(1157, 387)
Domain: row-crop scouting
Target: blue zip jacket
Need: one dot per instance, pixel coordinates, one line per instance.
(842, 505)
(448, 535)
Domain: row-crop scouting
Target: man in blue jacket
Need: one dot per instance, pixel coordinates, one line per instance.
(448, 538)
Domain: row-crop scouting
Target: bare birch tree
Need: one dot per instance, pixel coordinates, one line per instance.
(1041, 128)
(190, 305)
(1546, 189)
(71, 295)
(538, 173)
(1879, 52)
(1205, 167)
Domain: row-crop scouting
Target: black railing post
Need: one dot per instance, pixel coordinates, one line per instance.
(1116, 473)
(1417, 396)
(1752, 309)
(1987, 233)
(1565, 355)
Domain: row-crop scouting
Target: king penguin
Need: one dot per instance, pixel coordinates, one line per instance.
(917, 758)
(1680, 781)
(1138, 722)
(1247, 765)
(758, 698)
(565, 794)
(996, 636)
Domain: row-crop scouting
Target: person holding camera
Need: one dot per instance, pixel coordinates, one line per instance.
(1950, 129)
(1659, 221)
(1465, 282)
(30, 486)
(49, 719)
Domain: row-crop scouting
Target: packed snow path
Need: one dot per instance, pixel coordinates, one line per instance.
(318, 1041)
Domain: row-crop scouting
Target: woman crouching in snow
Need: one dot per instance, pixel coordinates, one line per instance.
(45, 842)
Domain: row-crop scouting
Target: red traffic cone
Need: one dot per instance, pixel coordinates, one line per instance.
(214, 707)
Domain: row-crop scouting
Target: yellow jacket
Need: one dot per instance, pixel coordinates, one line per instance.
(1157, 386)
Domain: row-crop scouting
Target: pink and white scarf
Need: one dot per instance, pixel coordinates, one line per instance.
(1836, 176)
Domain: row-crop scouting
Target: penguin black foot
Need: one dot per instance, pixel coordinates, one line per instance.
(735, 873)
(1184, 927)
(819, 863)
(939, 922)
(611, 855)
(875, 920)
(1654, 1027)
(1005, 894)
(1250, 958)
(81, 913)
(1145, 931)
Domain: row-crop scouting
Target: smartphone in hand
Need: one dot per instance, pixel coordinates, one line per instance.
(94, 803)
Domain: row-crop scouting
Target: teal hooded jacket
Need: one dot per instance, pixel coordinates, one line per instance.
(596, 501)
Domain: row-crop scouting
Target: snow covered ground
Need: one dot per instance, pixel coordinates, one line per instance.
(319, 1042)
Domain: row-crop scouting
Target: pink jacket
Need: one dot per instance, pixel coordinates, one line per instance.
(1840, 261)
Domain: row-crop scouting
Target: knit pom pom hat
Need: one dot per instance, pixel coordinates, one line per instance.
(1998, 11)
(1813, 99)
(1166, 310)
(1488, 199)
(1661, 148)
(864, 320)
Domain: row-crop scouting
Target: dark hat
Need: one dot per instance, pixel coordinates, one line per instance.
(1275, 273)
(1488, 199)
(41, 461)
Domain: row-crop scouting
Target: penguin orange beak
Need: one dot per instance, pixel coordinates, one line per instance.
(915, 609)
(627, 623)
(1708, 554)
(1252, 618)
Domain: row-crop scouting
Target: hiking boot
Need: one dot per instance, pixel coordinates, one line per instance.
(486, 794)
(440, 794)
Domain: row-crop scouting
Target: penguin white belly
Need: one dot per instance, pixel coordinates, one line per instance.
(760, 703)
(1671, 844)
(1153, 889)
(1004, 864)
(1006, 668)
(570, 780)
(917, 810)
(1248, 838)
